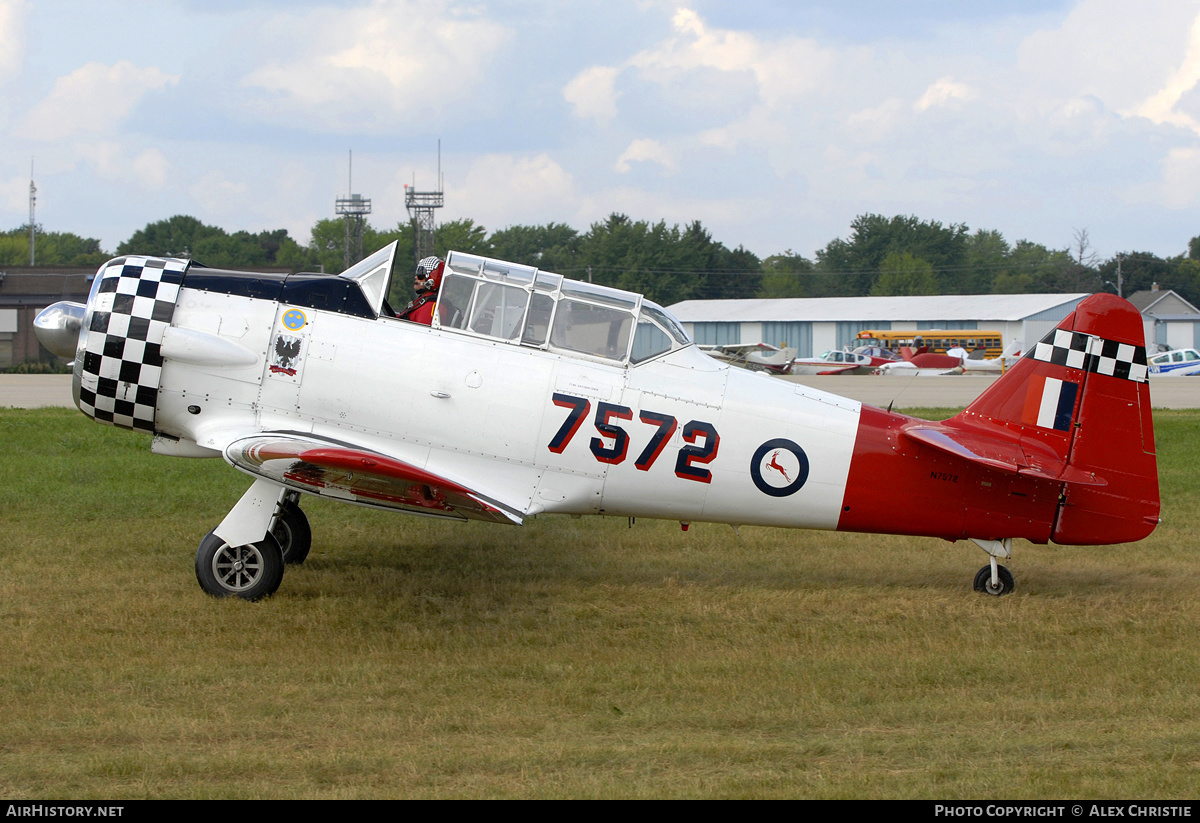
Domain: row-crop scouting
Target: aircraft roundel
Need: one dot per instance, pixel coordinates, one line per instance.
(779, 467)
(294, 319)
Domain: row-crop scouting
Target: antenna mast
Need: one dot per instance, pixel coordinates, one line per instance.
(420, 205)
(32, 204)
(354, 209)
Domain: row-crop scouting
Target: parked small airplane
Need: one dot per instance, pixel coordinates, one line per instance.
(1175, 363)
(754, 356)
(834, 362)
(311, 385)
(954, 361)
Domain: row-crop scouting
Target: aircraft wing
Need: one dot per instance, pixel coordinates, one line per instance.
(344, 471)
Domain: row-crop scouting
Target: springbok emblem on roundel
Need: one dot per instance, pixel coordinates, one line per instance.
(779, 467)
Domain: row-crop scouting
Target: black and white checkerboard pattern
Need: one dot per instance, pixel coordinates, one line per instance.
(122, 361)
(1077, 350)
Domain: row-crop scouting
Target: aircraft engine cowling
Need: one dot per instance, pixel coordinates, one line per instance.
(118, 367)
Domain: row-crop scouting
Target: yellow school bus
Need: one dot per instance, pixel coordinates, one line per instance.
(937, 340)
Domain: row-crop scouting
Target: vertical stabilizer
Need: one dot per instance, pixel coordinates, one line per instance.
(1081, 397)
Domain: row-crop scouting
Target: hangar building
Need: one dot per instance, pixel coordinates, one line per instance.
(816, 324)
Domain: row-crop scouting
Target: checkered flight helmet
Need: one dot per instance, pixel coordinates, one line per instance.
(430, 271)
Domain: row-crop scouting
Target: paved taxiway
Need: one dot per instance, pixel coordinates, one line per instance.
(31, 391)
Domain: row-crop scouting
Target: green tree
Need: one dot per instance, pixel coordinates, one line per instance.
(1032, 268)
(873, 237)
(460, 235)
(174, 237)
(904, 273)
(1142, 270)
(786, 275)
(987, 259)
(14, 251)
(51, 248)
(184, 236)
(552, 247)
(665, 263)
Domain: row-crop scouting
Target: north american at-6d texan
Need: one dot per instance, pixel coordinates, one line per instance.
(530, 393)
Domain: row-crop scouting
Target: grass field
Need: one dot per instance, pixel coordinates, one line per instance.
(572, 658)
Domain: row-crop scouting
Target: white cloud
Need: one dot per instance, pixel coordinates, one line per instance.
(943, 93)
(1161, 106)
(150, 168)
(104, 157)
(1181, 178)
(12, 35)
(14, 194)
(645, 150)
(781, 71)
(503, 190)
(1107, 50)
(218, 195)
(592, 94)
(877, 122)
(361, 67)
(93, 98)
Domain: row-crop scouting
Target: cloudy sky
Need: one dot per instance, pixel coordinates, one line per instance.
(774, 122)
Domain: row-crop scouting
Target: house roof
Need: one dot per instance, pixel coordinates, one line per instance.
(981, 307)
(1146, 299)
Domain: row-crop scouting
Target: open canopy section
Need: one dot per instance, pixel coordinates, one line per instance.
(373, 274)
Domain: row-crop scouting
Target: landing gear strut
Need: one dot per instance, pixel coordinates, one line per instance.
(290, 527)
(265, 530)
(993, 578)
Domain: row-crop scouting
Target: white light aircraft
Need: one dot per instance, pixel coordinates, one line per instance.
(1175, 363)
(531, 393)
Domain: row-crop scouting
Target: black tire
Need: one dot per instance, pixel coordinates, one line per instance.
(250, 572)
(983, 581)
(293, 534)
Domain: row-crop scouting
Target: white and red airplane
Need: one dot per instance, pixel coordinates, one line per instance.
(532, 393)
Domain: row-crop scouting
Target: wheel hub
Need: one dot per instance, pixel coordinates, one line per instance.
(237, 567)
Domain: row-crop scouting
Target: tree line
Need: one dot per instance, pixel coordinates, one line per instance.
(668, 263)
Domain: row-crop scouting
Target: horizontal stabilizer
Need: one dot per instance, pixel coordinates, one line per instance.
(996, 452)
(350, 473)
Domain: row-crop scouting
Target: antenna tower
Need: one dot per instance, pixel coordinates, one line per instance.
(420, 205)
(354, 210)
(32, 224)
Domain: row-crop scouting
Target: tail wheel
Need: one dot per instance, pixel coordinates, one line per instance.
(983, 581)
(294, 534)
(251, 572)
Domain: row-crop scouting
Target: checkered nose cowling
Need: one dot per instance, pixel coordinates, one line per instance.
(130, 308)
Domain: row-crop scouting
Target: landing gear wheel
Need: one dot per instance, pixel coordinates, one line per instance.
(294, 534)
(983, 581)
(251, 572)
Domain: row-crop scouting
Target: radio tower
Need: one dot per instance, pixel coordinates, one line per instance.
(420, 205)
(354, 209)
(32, 203)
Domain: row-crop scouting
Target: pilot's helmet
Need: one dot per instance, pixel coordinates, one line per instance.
(429, 270)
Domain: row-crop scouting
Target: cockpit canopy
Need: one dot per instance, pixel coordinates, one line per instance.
(524, 306)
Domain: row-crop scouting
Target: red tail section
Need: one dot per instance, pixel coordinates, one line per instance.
(1078, 406)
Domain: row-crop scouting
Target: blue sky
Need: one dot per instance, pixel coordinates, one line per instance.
(774, 123)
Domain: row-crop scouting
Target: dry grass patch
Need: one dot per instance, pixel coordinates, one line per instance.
(571, 658)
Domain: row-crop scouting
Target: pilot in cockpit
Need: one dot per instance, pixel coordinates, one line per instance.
(426, 281)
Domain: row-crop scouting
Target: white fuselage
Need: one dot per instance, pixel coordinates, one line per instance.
(484, 413)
